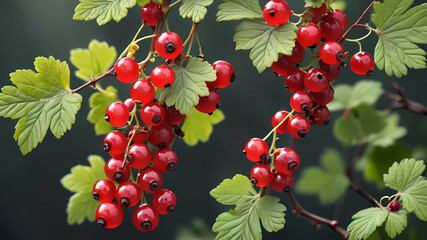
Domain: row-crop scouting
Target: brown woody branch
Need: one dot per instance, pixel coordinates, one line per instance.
(356, 24)
(399, 101)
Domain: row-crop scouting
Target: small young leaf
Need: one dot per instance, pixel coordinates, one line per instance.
(238, 9)
(142, 3)
(365, 222)
(99, 102)
(81, 206)
(272, 213)
(42, 100)
(199, 126)
(327, 181)
(194, 9)
(390, 133)
(400, 29)
(314, 3)
(102, 10)
(396, 222)
(93, 61)
(414, 199)
(265, 41)
(190, 83)
(236, 191)
(402, 175)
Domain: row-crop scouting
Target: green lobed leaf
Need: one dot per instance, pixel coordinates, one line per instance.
(102, 10)
(396, 222)
(390, 133)
(238, 9)
(272, 213)
(314, 3)
(365, 222)
(98, 103)
(199, 126)
(142, 3)
(194, 9)
(400, 32)
(189, 85)
(81, 206)
(414, 198)
(236, 191)
(93, 61)
(265, 41)
(41, 100)
(328, 181)
(402, 175)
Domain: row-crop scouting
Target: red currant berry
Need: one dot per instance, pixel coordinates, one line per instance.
(332, 28)
(224, 75)
(298, 126)
(139, 135)
(142, 91)
(109, 215)
(172, 116)
(117, 114)
(278, 118)
(152, 114)
(130, 104)
(362, 63)
(150, 180)
(164, 201)
(282, 182)
(333, 71)
(286, 160)
(209, 103)
(151, 13)
(394, 206)
(256, 149)
(323, 98)
(309, 35)
(316, 80)
(321, 115)
(341, 17)
(282, 67)
(145, 218)
(261, 175)
(301, 102)
(331, 52)
(161, 136)
(104, 190)
(162, 76)
(298, 54)
(276, 12)
(295, 80)
(318, 12)
(126, 69)
(114, 171)
(128, 194)
(115, 143)
(165, 160)
(168, 45)
(139, 156)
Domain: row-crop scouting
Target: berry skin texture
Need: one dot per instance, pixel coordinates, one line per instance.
(150, 180)
(316, 80)
(256, 149)
(164, 201)
(142, 91)
(126, 69)
(151, 13)
(128, 194)
(278, 118)
(168, 45)
(286, 160)
(139, 156)
(301, 102)
(113, 169)
(333, 71)
(162, 136)
(282, 182)
(139, 135)
(295, 81)
(224, 75)
(145, 218)
(129, 103)
(298, 126)
(115, 143)
(165, 160)
(309, 35)
(173, 116)
(332, 28)
(209, 103)
(341, 17)
(394, 206)
(162, 76)
(298, 54)
(276, 12)
(362, 63)
(282, 67)
(323, 98)
(152, 114)
(331, 53)
(261, 175)
(104, 190)
(109, 215)
(117, 114)
(321, 115)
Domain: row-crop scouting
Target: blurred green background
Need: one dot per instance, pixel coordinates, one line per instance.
(33, 201)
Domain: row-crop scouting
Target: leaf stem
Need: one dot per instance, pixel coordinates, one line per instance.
(356, 24)
(93, 81)
(192, 32)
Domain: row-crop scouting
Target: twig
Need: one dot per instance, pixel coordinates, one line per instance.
(315, 219)
(399, 101)
(93, 81)
(356, 24)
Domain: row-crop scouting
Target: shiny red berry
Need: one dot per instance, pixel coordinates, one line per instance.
(331, 52)
(165, 160)
(150, 180)
(164, 201)
(138, 135)
(210, 103)
(115, 143)
(256, 149)
(117, 114)
(298, 126)
(309, 35)
(316, 80)
(394, 206)
(298, 54)
(224, 75)
(142, 91)
(341, 17)
(282, 182)
(145, 218)
(161, 136)
(168, 45)
(295, 80)
(318, 12)
(362, 63)
(261, 175)
(276, 12)
(126, 69)
(333, 71)
(278, 118)
(139, 156)
(282, 67)
(152, 114)
(109, 215)
(332, 28)
(104, 190)
(114, 171)
(151, 13)
(162, 76)
(130, 104)
(301, 102)
(286, 160)
(173, 116)
(321, 115)
(128, 194)
(323, 98)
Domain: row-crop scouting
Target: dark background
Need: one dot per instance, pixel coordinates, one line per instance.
(33, 202)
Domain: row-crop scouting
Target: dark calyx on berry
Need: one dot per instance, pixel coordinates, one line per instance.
(161, 145)
(146, 225)
(170, 47)
(302, 133)
(305, 107)
(292, 165)
(217, 106)
(118, 176)
(102, 222)
(286, 189)
(232, 78)
(340, 56)
(254, 181)
(272, 13)
(107, 146)
(244, 152)
(313, 46)
(129, 158)
(263, 156)
(156, 119)
(319, 76)
(326, 122)
(167, 85)
(170, 208)
(171, 166)
(107, 118)
(124, 201)
(178, 131)
(369, 73)
(95, 196)
(154, 186)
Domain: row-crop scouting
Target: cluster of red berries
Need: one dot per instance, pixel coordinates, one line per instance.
(132, 146)
(312, 90)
